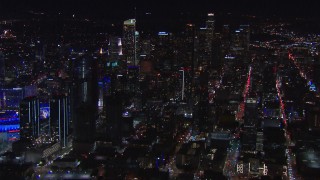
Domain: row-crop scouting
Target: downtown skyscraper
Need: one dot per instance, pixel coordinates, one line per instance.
(84, 101)
(130, 39)
(210, 35)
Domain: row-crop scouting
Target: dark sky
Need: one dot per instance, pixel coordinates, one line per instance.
(116, 8)
(166, 13)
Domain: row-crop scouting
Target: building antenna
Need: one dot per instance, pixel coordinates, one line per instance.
(135, 12)
(134, 35)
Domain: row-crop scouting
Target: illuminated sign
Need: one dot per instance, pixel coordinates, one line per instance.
(44, 111)
(229, 57)
(112, 64)
(251, 100)
(312, 86)
(163, 33)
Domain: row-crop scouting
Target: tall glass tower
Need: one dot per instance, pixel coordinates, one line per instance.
(130, 36)
(59, 118)
(210, 26)
(84, 99)
(29, 118)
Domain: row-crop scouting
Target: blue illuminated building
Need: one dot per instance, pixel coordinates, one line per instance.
(9, 120)
(10, 98)
(8, 128)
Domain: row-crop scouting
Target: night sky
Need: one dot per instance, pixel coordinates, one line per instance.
(165, 13)
(117, 8)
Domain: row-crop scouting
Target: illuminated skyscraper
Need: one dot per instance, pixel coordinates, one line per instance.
(251, 112)
(240, 40)
(59, 119)
(11, 97)
(84, 100)
(130, 36)
(40, 51)
(29, 118)
(200, 48)
(189, 46)
(114, 51)
(204, 43)
(145, 47)
(210, 26)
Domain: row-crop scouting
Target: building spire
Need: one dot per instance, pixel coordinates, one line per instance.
(135, 12)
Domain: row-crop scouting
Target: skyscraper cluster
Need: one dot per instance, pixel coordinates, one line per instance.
(84, 98)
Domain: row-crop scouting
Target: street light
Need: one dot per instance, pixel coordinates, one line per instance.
(182, 90)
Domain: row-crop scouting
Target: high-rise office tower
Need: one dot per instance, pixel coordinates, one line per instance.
(130, 38)
(240, 40)
(210, 27)
(60, 119)
(84, 99)
(119, 121)
(210, 24)
(114, 51)
(246, 36)
(29, 118)
(203, 105)
(10, 98)
(40, 51)
(114, 108)
(251, 112)
(203, 43)
(145, 47)
(189, 46)
(313, 117)
(200, 48)
(225, 40)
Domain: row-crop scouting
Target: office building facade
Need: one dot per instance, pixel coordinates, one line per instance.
(60, 119)
(130, 39)
(84, 99)
(29, 118)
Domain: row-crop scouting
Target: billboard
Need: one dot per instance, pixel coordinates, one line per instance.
(44, 110)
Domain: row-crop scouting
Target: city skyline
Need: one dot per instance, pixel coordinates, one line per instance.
(159, 90)
(150, 16)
